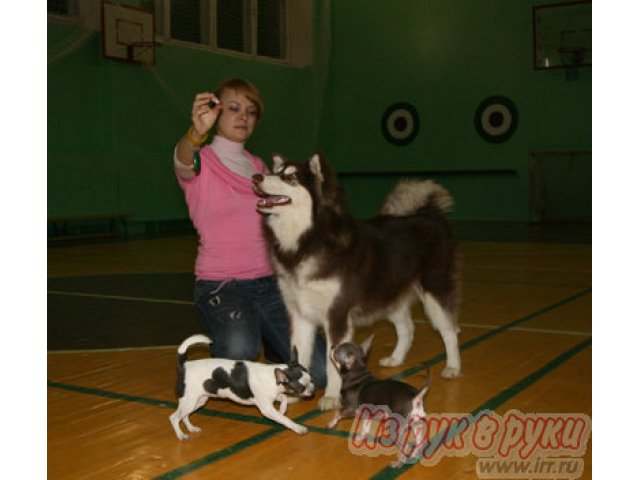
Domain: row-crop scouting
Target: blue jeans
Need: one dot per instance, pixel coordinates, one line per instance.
(240, 315)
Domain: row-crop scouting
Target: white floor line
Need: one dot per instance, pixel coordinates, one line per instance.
(467, 325)
(529, 269)
(120, 297)
(127, 349)
(521, 329)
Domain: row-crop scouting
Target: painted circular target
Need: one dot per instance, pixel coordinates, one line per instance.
(496, 119)
(400, 123)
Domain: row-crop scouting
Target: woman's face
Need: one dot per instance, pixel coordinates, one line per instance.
(238, 117)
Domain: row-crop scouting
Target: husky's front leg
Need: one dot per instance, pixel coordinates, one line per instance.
(303, 334)
(331, 398)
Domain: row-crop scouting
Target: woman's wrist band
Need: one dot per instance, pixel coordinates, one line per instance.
(197, 162)
(194, 139)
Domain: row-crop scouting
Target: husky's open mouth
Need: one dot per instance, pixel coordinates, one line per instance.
(269, 201)
(273, 200)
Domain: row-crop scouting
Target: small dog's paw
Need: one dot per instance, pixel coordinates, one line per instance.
(291, 400)
(390, 362)
(301, 430)
(329, 403)
(450, 372)
(183, 436)
(194, 429)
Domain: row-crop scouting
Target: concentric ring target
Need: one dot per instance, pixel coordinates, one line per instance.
(400, 123)
(496, 119)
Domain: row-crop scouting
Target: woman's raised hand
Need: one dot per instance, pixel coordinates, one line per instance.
(202, 115)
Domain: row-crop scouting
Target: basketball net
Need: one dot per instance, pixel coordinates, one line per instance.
(572, 58)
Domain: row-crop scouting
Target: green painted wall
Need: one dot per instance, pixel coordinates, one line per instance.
(445, 58)
(112, 126)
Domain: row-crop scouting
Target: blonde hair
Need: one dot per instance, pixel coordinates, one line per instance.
(241, 85)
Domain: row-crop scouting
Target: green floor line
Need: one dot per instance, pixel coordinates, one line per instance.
(158, 403)
(501, 398)
(314, 413)
(219, 455)
(309, 415)
(492, 333)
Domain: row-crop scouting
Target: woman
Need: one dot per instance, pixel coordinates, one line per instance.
(236, 293)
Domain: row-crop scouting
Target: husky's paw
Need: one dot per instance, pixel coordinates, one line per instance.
(329, 403)
(193, 429)
(291, 400)
(300, 429)
(183, 436)
(450, 372)
(390, 361)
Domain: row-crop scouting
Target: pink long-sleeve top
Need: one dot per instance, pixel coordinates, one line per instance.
(222, 207)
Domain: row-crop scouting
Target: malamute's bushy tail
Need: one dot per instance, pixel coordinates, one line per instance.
(409, 196)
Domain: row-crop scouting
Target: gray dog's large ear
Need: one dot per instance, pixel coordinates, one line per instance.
(366, 345)
(294, 355)
(316, 166)
(281, 376)
(278, 163)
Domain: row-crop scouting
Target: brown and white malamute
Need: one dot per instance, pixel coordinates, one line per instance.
(337, 272)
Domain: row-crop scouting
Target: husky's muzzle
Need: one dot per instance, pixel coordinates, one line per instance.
(267, 200)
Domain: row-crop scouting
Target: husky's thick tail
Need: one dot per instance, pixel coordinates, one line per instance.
(184, 346)
(410, 196)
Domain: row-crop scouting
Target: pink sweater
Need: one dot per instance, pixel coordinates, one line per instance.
(222, 207)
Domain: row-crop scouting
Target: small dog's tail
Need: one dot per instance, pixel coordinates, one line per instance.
(184, 346)
(410, 196)
(182, 358)
(418, 401)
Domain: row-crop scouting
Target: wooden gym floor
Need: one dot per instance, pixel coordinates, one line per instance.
(117, 310)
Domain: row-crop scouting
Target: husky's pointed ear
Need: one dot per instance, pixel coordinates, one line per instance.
(278, 163)
(316, 166)
(294, 355)
(366, 345)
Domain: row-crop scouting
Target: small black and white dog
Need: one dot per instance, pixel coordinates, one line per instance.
(244, 382)
(361, 387)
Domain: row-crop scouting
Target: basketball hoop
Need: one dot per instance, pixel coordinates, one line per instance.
(562, 36)
(573, 56)
(137, 52)
(128, 34)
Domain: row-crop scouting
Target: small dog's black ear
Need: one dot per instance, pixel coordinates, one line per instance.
(294, 355)
(366, 345)
(281, 376)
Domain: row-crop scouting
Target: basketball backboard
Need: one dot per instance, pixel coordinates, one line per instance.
(128, 34)
(562, 35)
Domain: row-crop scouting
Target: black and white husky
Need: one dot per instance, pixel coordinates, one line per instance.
(338, 272)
